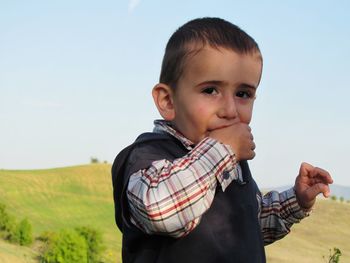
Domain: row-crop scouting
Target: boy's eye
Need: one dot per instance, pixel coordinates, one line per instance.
(210, 90)
(244, 94)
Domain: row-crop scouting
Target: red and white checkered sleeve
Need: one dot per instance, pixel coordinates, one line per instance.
(278, 212)
(169, 198)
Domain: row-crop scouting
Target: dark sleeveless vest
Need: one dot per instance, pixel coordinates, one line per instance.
(228, 232)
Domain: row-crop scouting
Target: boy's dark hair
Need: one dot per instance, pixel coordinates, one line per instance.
(193, 35)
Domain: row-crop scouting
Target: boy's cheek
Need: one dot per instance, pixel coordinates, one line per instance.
(246, 115)
(246, 118)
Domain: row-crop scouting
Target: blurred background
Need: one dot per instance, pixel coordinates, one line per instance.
(76, 79)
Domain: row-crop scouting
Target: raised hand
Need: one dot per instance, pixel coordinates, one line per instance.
(310, 182)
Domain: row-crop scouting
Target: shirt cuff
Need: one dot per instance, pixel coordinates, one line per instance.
(224, 158)
(295, 211)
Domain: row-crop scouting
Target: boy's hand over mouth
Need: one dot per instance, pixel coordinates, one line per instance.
(239, 137)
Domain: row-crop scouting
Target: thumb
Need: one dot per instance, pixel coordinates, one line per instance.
(316, 189)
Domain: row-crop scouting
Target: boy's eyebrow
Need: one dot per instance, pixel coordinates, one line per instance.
(213, 82)
(249, 86)
(223, 83)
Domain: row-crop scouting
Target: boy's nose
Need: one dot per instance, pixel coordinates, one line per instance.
(228, 108)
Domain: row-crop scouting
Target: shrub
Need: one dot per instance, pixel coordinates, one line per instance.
(334, 198)
(66, 247)
(7, 223)
(94, 243)
(3, 217)
(23, 234)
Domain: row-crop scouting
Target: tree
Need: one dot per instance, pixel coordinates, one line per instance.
(94, 160)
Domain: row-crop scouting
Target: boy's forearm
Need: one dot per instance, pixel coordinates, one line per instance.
(279, 211)
(170, 197)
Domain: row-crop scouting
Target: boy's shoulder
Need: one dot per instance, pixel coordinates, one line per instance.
(149, 137)
(131, 159)
(148, 147)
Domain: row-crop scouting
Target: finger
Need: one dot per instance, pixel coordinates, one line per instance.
(322, 175)
(305, 169)
(327, 191)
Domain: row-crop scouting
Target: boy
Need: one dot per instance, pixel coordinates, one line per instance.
(184, 193)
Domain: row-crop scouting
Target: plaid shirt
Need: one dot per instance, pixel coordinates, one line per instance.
(171, 197)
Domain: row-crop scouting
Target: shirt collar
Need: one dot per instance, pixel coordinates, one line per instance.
(161, 126)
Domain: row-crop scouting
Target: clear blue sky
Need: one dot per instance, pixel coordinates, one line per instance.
(76, 79)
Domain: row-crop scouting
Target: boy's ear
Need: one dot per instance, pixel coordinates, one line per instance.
(163, 98)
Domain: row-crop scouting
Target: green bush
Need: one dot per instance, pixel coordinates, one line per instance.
(23, 234)
(94, 243)
(3, 217)
(65, 247)
(7, 223)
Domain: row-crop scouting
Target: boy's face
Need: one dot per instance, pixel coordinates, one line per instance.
(216, 90)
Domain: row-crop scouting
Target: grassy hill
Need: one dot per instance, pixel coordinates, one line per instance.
(62, 198)
(53, 199)
(326, 228)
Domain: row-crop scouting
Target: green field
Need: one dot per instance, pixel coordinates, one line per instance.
(82, 196)
(326, 228)
(60, 198)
